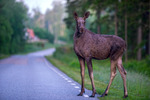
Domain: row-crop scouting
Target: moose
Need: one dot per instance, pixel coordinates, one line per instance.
(88, 46)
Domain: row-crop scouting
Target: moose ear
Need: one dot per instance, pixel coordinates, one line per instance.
(75, 15)
(86, 15)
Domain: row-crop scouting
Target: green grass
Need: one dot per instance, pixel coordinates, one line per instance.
(139, 66)
(138, 83)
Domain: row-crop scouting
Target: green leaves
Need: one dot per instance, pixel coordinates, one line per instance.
(44, 34)
(12, 17)
(5, 35)
(103, 14)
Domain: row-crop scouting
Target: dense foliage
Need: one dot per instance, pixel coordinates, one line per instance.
(12, 17)
(44, 34)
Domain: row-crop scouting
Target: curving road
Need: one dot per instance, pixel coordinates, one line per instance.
(32, 77)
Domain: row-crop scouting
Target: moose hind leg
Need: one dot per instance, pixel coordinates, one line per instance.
(123, 75)
(112, 76)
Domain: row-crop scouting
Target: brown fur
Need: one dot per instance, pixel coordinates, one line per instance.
(88, 46)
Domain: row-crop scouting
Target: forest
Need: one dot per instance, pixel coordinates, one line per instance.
(128, 19)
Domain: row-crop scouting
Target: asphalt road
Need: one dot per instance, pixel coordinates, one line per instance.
(32, 77)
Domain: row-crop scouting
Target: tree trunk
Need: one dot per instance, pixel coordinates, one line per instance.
(55, 34)
(116, 20)
(149, 33)
(149, 41)
(126, 40)
(98, 19)
(98, 29)
(139, 40)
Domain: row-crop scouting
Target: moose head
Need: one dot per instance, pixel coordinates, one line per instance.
(80, 21)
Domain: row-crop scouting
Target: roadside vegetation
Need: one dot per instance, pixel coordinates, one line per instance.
(33, 47)
(138, 78)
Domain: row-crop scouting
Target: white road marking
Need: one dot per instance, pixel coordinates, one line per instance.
(76, 87)
(63, 77)
(66, 79)
(69, 81)
(85, 95)
(73, 84)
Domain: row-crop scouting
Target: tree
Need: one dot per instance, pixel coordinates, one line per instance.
(97, 5)
(5, 35)
(13, 15)
(149, 33)
(38, 18)
(53, 20)
(43, 34)
(116, 19)
(139, 40)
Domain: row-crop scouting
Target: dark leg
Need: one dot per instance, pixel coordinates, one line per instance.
(82, 67)
(123, 75)
(112, 76)
(90, 69)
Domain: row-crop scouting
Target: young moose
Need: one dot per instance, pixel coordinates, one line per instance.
(88, 46)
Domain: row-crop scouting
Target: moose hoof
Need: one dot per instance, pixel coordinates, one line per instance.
(92, 96)
(80, 94)
(103, 95)
(125, 96)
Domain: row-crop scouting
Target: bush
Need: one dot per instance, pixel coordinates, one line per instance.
(63, 39)
(5, 35)
(139, 66)
(12, 18)
(44, 34)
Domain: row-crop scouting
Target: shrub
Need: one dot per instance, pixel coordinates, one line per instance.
(44, 34)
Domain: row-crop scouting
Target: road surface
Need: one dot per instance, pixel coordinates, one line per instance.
(32, 77)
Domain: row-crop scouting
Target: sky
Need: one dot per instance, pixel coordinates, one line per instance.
(41, 4)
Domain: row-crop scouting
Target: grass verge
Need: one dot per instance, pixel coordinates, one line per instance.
(2, 56)
(137, 83)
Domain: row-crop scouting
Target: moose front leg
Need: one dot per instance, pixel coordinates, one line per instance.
(82, 67)
(90, 69)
